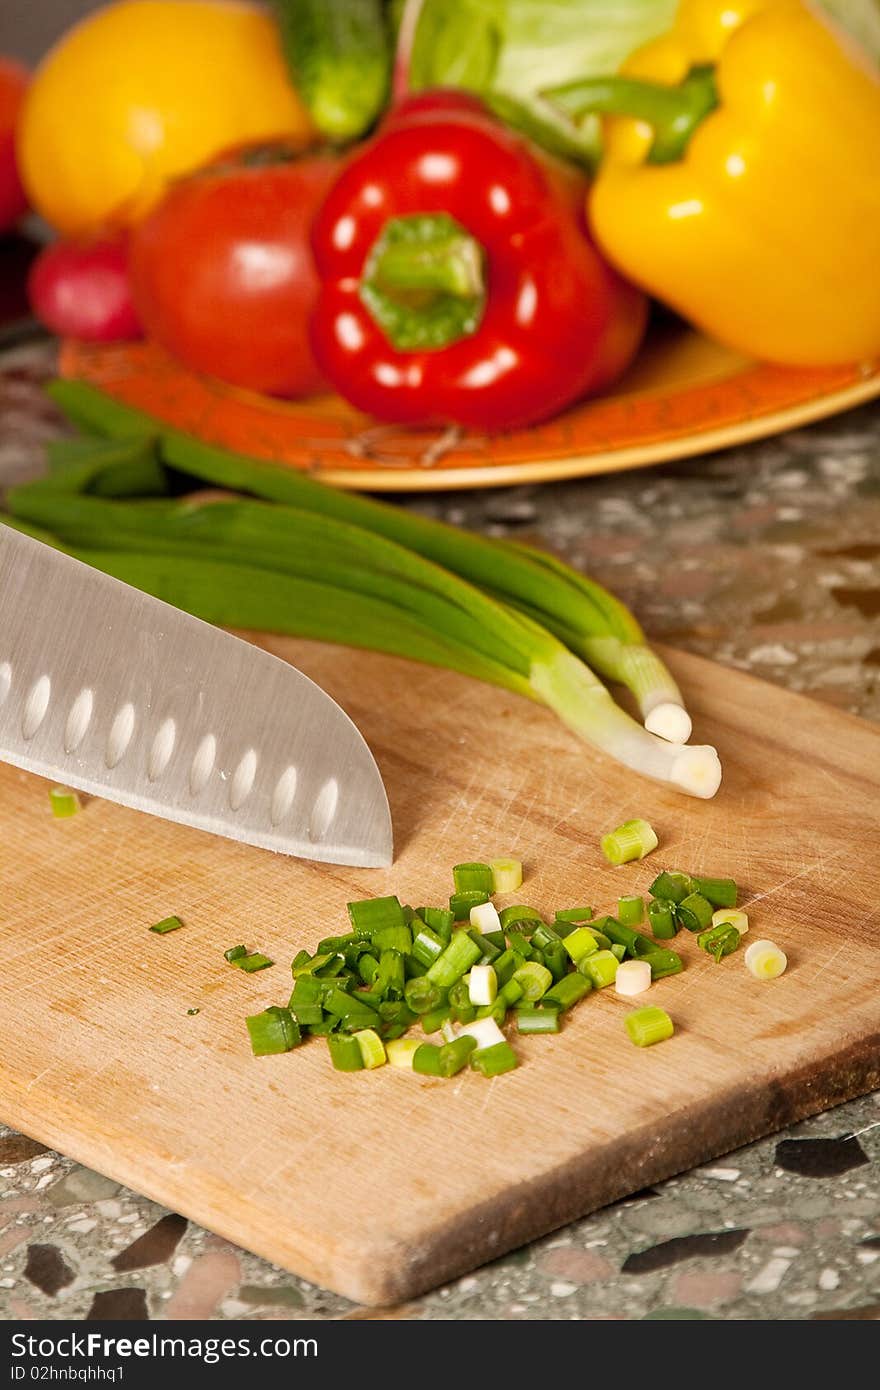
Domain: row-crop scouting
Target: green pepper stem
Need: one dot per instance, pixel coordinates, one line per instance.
(450, 264)
(674, 112)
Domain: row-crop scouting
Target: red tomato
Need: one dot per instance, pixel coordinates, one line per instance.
(223, 275)
(82, 290)
(13, 84)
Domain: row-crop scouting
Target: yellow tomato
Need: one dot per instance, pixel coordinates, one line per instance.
(143, 91)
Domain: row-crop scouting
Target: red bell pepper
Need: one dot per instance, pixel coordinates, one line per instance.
(459, 282)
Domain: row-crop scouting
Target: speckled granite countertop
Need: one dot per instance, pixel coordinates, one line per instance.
(766, 558)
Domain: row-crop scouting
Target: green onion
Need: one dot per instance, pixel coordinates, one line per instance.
(190, 1013)
(473, 878)
(455, 960)
(454, 1055)
(272, 1031)
(367, 968)
(661, 919)
(765, 960)
(630, 911)
(600, 968)
(426, 1059)
(400, 1052)
(635, 943)
(663, 963)
(617, 950)
(495, 1060)
(345, 1052)
(507, 875)
(574, 914)
(506, 964)
(632, 840)
(235, 953)
(719, 941)
(427, 946)
(303, 963)
(372, 914)
(64, 802)
(694, 912)
(580, 943)
(533, 979)
(484, 917)
(439, 919)
(482, 985)
(531, 1020)
(251, 962)
(544, 936)
(397, 938)
(633, 977)
(520, 944)
(519, 916)
(720, 892)
(734, 917)
(433, 1020)
(460, 904)
(372, 1048)
(390, 978)
(556, 959)
(567, 991)
(168, 924)
(648, 1026)
(671, 887)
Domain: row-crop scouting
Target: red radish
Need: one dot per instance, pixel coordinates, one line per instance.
(81, 290)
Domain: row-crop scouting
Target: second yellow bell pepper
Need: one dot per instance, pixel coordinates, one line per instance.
(741, 178)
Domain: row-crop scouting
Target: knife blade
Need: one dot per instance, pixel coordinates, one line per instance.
(115, 693)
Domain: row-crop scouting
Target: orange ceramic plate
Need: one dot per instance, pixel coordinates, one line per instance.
(685, 395)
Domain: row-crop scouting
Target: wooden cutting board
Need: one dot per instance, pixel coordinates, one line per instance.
(382, 1184)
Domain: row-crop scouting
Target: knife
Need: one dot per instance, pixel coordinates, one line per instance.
(113, 692)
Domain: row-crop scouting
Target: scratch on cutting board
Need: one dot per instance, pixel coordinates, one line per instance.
(810, 869)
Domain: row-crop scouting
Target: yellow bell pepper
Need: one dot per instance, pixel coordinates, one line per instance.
(740, 181)
(143, 91)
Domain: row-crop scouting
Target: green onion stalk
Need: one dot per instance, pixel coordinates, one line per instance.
(581, 613)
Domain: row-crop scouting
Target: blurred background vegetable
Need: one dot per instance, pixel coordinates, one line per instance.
(510, 50)
(141, 92)
(82, 290)
(339, 55)
(13, 85)
(223, 274)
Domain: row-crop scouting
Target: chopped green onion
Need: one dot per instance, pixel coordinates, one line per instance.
(721, 892)
(574, 914)
(345, 1052)
(671, 886)
(661, 919)
(482, 985)
(531, 1020)
(427, 946)
(372, 914)
(694, 912)
(670, 720)
(506, 964)
(166, 925)
(372, 1048)
(567, 991)
(617, 950)
(544, 936)
(439, 919)
(507, 875)
(630, 911)
(580, 943)
(648, 1026)
(633, 977)
(390, 980)
(426, 1059)
(396, 938)
(719, 941)
(400, 1052)
(367, 968)
(460, 904)
(235, 953)
(303, 963)
(274, 1030)
(635, 943)
(556, 959)
(433, 1020)
(519, 916)
(632, 840)
(251, 962)
(765, 960)
(454, 1055)
(663, 963)
(331, 944)
(495, 1060)
(470, 877)
(534, 980)
(734, 916)
(485, 1030)
(455, 960)
(520, 944)
(190, 1013)
(484, 916)
(64, 802)
(509, 994)
(599, 968)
